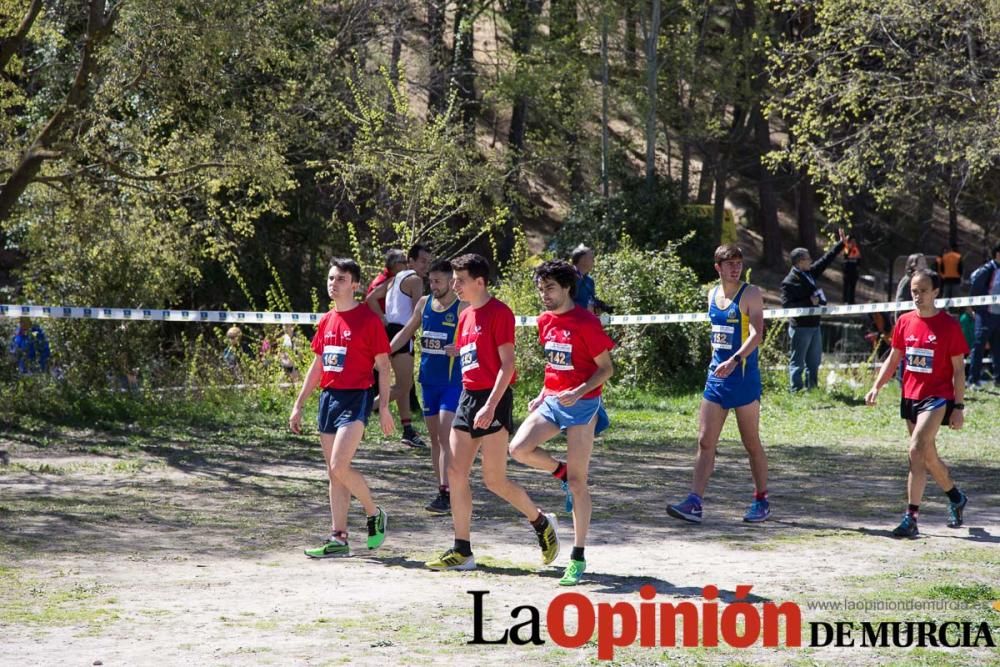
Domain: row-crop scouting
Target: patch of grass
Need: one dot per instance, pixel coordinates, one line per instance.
(34, 602)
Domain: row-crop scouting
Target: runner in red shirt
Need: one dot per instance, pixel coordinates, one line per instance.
(349, 341)
(578, 363)
(485, 343)
(934, 348)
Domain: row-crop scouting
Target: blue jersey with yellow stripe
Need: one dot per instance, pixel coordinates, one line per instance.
(438, 330)
(730, 328)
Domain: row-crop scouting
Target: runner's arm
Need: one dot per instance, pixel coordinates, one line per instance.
(406, 333)
(754, 303)
(506, 352)
(889, 367)
(384, 368)
(604, 371)
(413, 286)
(309, 385)
(958, 376)
(375, 295)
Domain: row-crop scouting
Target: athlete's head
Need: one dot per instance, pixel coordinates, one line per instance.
(556, 283)
(729, 262)
(582, 258)
(439, 277)
(915, 262)
(471, 272)
(343, 278)
(395, 260)
(925, 284)
(419, 258)
(996, 252)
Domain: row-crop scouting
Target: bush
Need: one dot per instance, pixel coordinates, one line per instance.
(652, 223)
(636, 282)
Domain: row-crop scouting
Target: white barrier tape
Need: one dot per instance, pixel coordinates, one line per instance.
(264, 317)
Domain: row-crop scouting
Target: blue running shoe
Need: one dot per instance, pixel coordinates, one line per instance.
(759, 511)
(689, 510)
(906, 528)
(955, 512)
(569, 496)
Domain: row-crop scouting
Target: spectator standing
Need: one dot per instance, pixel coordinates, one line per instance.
(582, 258)
(950, 269)
(799, 289)
(914, 262)
(852, 259)
(986, 280)
(30, 348)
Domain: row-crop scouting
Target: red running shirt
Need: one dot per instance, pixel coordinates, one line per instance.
(928, 344)
(481, 332)
(348, 343)
(571, 340)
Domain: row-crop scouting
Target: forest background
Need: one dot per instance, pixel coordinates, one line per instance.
(210, 154)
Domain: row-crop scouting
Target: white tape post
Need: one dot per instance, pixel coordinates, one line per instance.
(266, 317)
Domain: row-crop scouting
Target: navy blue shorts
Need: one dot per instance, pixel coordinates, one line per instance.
(733, 392)
(340, 407)
(438, 398)
(909, 408)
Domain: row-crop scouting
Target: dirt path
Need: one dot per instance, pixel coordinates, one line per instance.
(181, 553)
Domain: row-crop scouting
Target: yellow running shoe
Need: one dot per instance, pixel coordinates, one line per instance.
(452, 560)
(548, 539)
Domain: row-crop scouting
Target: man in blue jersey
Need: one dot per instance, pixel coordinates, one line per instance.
(736, 311)
(440, 375)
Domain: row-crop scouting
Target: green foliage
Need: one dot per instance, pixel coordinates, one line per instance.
(404, 180)
(636, 282)
(886, 96)
(651, 223)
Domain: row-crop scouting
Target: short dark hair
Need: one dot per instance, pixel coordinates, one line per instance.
(579, 253)
(347, 264)
(728, 251)
(930, 274)
(416, 249)
(475, 265)
(440, 266)
(996, 250)
(561, 272)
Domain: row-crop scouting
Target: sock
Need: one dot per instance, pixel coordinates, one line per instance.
(760, 495)
(954, 495)
(463, 547)
(695, 497)
(560, 471)
(407, 424)
(540, 523)
(577, 554)
(913, 510)
(444, 490)
(340, 535)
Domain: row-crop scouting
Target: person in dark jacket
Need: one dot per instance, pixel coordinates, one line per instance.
(799, 289)
(986, 280)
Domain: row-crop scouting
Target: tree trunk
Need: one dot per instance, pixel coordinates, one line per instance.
(605, 190)
(631, 36)
(99, 25)
(521, 15)
(770, 229)
(463, 70)
(652, 69)
(564, 34)
(437, 58)
(806, 211)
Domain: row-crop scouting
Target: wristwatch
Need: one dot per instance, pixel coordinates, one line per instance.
(958, 406)
(738, 358)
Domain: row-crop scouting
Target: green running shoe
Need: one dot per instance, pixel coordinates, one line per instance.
(377, 525)
(548, 539)
(331, 549)
(574, 571)
(452, 560)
